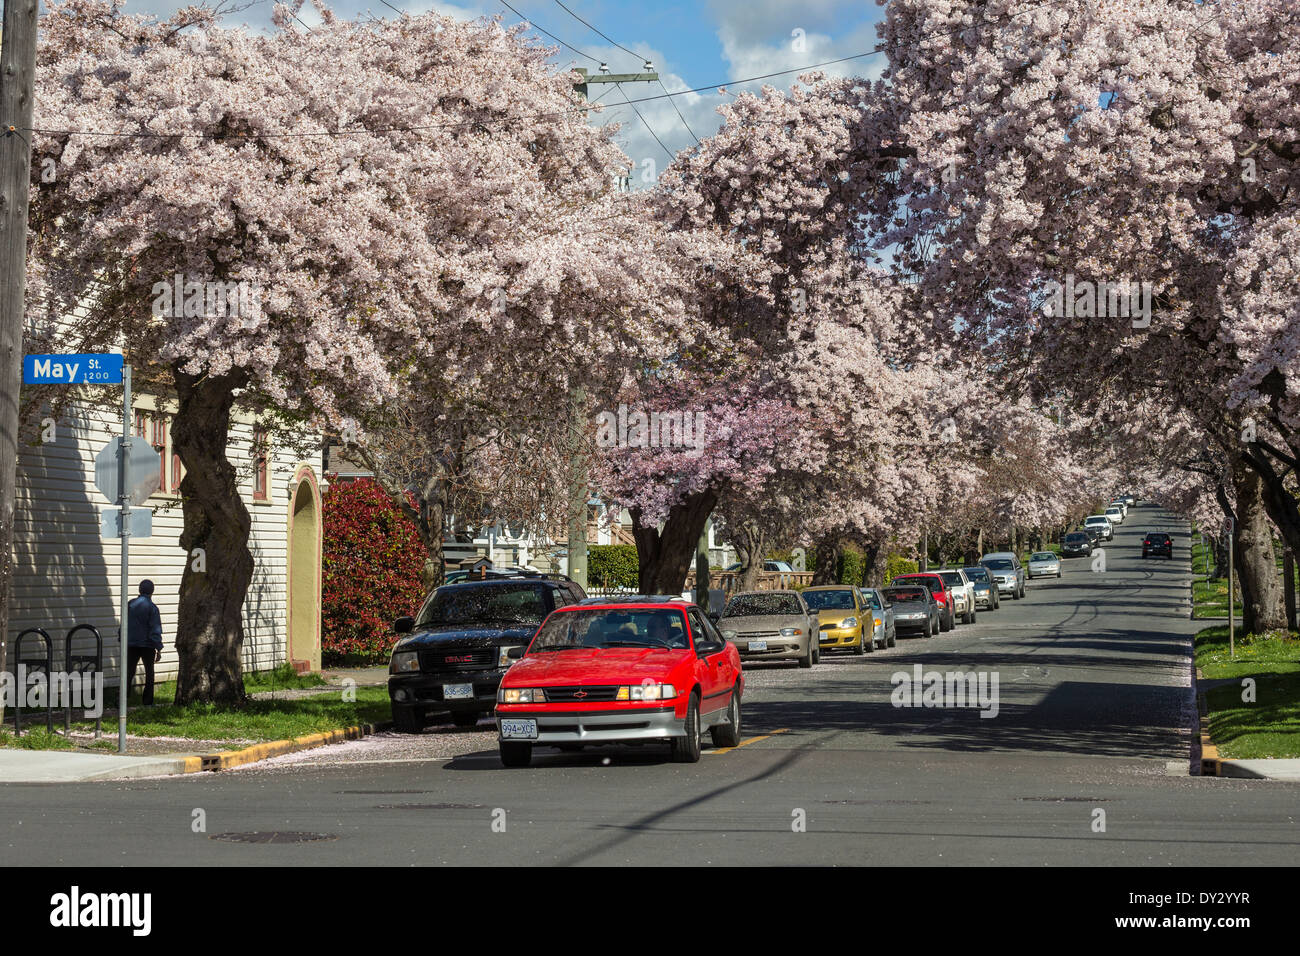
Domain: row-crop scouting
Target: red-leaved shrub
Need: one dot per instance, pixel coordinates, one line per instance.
(372, 559)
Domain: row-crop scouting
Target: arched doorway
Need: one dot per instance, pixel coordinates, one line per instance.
(302, 574)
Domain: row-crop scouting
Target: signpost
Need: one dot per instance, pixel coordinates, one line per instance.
(126, 472)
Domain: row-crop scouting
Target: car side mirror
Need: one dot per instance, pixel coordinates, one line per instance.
(403, 625)
(516, 652)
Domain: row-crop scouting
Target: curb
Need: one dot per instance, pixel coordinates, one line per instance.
(1211, 763)
(228, 759)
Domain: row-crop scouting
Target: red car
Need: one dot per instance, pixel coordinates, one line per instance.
(619, 671)
(942, 595)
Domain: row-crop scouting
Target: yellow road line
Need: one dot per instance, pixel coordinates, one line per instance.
(750, 740)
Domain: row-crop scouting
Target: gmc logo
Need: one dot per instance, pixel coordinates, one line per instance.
(459, 659)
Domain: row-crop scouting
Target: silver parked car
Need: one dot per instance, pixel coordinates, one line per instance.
(986, 591)
(1044, 564)
(963, 592)
(884, 633)
(771, 626)
(1007, 571)
(915, 609)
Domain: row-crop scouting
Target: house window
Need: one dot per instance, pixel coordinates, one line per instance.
(176, 469)
(159, 441)
(140, 420)
(261, 464)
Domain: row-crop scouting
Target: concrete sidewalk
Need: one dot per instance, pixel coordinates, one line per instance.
(1262, 769)
(59, 766)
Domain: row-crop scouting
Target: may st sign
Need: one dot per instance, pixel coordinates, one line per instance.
(91, 369)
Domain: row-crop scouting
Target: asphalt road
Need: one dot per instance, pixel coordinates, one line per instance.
(1094, 717)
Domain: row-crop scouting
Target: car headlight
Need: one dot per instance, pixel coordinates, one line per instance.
(503, 658)
(521, 695)
(729, 635)
(849, 622)
(404, 662)
(647, 692)
(791, 631)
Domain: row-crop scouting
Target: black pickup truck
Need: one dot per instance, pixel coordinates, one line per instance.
(456, 649)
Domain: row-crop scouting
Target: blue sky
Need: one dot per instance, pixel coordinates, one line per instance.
(690, 45)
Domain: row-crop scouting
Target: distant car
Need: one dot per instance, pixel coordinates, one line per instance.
(1116, 514)
(1076, 544)
(1130, 500)
(771, 626)
(844, 619)
(626, 671)
(1044, 564)
(943, 595)
(452, 655)
(882, 618)
(963, 590)
(1094, 537)
(1102, 524)
(1007, 571)
(986, 590)
(915, 609)
(768, 565)
(1157, 542)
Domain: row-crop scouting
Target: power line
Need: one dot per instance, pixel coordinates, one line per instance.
(585, 56)
(603, 36)
(647, 124)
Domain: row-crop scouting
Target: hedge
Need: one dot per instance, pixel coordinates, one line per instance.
(612, 566)
(897, 564)
(371, 564)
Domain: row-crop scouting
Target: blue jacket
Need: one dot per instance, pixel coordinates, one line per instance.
(144, 624)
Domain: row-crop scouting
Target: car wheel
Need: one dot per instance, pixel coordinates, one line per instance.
(807, 660)
(516, 754)
(687, 749)
(972, 618)
(861, 647)
(728, 734)
(929, 629)
(893, 640)
(817, 653)
(406, 720)
(467, 718)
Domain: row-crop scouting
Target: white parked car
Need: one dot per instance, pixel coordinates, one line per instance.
(1102, 525)
(963, 593)
(1044, 564)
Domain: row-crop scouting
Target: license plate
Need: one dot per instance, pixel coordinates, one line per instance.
(457, 691)
(758, 645)
(514, 729)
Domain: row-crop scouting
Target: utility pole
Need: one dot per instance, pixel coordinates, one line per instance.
(579, 491)
(17, 89)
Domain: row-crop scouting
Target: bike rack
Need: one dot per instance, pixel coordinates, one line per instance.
(85, 665)
(22, 686)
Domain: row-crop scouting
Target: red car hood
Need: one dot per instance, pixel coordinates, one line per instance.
(619, 665)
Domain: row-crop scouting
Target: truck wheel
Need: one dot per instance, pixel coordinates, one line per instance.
(406, 720)
(465, 718)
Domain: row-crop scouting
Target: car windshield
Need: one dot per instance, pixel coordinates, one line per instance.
(610, 627)
(463, 604)
(977, 574)
(1075, 537)
(774, 602)
(872, 599)
(952, 577)
(1042, 556)
(905, 594)
(1157, 537)
(829, 600)
(998, 564)
(1098, 520)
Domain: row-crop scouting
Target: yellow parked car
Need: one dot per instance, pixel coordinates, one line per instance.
(841, 615)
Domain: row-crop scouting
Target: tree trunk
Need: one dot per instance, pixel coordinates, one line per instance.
(665, 555)
(751, 545)
(1288, 587)
(872, 571)
(829, 548)
(1261, 591)
(219, 566)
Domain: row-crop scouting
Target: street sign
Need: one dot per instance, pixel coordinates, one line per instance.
(86, 369)
(142, 470)
(139, 523)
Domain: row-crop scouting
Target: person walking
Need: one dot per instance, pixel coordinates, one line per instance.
(143, 639)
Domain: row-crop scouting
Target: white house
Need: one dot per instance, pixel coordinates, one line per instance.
(65, 574)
